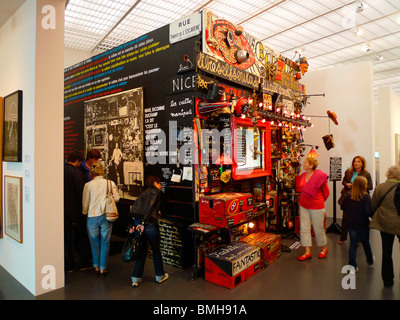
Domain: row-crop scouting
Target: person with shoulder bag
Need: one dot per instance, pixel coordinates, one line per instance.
(357, 169)
(99, 227)
(144, 218)
(386, 220)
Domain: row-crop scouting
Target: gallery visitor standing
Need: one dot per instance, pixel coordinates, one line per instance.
(356, 206)
(313, 187)
(386, 220)
(145, 218)
(75, 233)
(357, 169)
(93, 156)
(99, 228)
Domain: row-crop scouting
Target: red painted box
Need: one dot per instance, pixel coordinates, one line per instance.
(232, 264)
(269, 244)
(226, 203)
(220, 220)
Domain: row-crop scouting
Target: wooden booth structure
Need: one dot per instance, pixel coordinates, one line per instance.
(214, 112)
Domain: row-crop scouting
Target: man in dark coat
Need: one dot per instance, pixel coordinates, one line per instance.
(75, 234)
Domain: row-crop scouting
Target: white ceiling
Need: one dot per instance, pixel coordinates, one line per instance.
(325, 29)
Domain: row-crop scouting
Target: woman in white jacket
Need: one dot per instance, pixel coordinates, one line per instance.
(99, 228)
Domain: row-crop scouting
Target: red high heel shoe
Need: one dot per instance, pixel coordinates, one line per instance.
(304, 257)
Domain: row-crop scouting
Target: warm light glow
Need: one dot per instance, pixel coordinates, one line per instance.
(366, 47)
(312, 154)
(251, 225)
(358, 32)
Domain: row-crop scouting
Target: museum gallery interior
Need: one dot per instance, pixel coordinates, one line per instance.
(223, 101)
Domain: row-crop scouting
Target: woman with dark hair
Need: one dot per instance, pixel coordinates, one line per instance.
(145, 214)
(357, 169)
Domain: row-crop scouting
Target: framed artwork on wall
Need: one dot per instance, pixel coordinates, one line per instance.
(12, 127)
(12, 200)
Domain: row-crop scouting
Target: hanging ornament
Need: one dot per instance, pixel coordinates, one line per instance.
(312, 154)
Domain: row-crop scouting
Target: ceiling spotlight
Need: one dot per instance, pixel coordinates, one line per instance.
(361, 6)
(366, 47)
(358, 32)
(379, 57)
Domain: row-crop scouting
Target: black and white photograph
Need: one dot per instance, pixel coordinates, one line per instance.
(114, 125)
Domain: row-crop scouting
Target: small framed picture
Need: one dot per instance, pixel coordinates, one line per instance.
(13, 207)
(12, 127)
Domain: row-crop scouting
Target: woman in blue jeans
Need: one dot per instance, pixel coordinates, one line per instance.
(99, 228)
(357, 207)
(146, 216)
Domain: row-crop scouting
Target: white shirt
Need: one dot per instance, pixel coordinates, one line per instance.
(94, 196)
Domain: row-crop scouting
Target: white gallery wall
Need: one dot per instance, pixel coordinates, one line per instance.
(348, 93)
(31, 60)
(387, 115)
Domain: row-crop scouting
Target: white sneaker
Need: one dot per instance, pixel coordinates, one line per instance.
(135, 284)
(166, 276)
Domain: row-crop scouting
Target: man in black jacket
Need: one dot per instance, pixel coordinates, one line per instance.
(146, 216)
(75, 234)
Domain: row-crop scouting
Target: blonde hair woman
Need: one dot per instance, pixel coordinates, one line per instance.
(99, 228)
(313, 187)
(357, 208)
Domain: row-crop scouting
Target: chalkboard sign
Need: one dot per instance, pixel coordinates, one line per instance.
(335, 169)
(176, 243)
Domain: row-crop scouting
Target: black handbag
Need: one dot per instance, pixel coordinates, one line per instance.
(133, 248)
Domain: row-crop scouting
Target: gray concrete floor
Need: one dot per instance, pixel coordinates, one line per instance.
(285, 279)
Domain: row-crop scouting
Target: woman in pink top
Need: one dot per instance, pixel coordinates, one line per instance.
(313, 187)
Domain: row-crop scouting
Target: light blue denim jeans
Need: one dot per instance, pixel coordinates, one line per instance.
(317, 218)
(99, 230)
